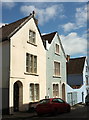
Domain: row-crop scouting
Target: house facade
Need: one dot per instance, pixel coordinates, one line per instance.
(77, 80)
(23, 65)
(55, 66)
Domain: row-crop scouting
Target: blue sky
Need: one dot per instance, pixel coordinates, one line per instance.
(69, 19)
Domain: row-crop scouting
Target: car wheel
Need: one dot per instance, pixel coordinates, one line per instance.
(68, 109)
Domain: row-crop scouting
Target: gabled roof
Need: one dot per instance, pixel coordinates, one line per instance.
(49, 37)
(10, 29)
(76, 65)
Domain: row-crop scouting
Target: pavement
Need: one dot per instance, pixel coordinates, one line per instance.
(32, 114)
(20, 115)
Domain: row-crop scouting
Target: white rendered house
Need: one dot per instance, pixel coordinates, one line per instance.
(23, 64)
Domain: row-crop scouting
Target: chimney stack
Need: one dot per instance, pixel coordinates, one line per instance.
(68, 58)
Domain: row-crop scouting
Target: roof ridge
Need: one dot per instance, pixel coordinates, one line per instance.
(78, 57)
(15, 21)
(13, 27)
(50, 33)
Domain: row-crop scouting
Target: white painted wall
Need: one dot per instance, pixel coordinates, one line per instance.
(19, 47)
(82, 89)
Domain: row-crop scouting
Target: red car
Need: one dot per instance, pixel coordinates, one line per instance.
(53, 106)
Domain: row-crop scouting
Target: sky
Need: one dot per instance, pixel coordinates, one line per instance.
(69, 19)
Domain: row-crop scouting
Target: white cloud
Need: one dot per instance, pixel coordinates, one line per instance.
(74, 44)
(44, 14)
(80, 20)
(81, 16)
(68, 26)
(2, 24)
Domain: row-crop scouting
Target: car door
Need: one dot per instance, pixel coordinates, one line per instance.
(44, 106)
(59, 105)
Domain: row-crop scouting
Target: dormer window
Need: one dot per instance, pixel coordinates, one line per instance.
(32, 37)
(57, 49)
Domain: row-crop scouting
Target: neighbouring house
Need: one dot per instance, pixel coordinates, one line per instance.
(77, 80)
(55, 66)
(23, 64)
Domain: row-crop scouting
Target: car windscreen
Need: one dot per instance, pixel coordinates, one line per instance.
(57, 101)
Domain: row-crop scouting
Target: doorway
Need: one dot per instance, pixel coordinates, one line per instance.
(63, 91)
(18, 96)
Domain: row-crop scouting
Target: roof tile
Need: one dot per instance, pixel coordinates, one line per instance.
(75, 65)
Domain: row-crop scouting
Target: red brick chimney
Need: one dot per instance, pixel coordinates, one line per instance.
(68, 58)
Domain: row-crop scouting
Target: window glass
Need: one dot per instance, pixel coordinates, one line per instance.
(32, 36)
(34, 92)
(31, 63)
(45, 101)
(57, 49)
(37, 91)
(55, 90)
(56, 68)
(57, 101)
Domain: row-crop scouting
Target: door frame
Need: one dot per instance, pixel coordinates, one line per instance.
(17, 96)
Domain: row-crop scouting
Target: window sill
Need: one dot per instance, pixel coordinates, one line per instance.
(31, 43)
(57, 54)
(56, 76)
(26, 73)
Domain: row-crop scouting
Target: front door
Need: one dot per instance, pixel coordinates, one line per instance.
(16, 97)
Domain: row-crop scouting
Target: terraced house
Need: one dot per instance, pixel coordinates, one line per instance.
(55, 66)
(33, 66)
(23, 65)
(77, 80)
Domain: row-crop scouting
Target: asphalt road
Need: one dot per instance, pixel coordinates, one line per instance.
(79, 113)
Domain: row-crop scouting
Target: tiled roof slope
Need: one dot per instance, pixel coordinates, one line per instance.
(75, 65)
(49, 37)
(8, 29)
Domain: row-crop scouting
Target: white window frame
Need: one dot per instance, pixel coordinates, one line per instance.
(58, 53)
(56, 83)
(35, 92)
(32, 39)
(32, 65)
(59, 69)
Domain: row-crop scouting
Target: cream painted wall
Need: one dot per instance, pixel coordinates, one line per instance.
(0, 65)
(19, 47)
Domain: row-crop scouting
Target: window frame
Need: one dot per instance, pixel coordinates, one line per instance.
(32, 38)
(34, 96)
(57, 51)
(56, 75)
(30, 67)
(56, 91)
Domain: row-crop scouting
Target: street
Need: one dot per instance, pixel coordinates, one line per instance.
(79, 113)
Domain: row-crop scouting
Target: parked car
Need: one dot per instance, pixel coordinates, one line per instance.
(53, 106)
(32, 106)
(87, 99)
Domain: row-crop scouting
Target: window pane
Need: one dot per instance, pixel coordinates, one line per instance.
(56, 68)
(32, 36)
(27, 62)
(35, 64)
(31, 63)
(55, 90)
(37, 91)
(57, 48)
(32, 92)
